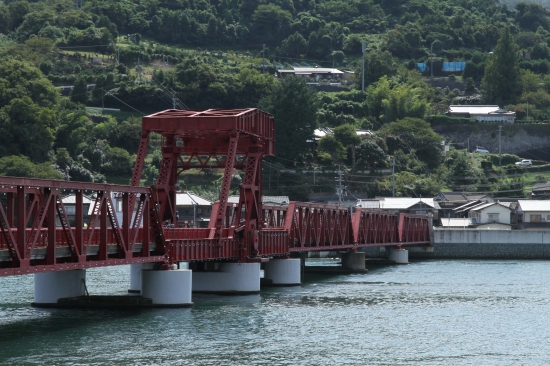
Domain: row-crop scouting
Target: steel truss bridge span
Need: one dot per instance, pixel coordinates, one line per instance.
(124, 223)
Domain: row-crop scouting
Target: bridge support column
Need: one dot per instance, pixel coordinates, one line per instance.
(228, 279)
(353, 260)
(283, 272)
(399, 255)
(135, 276)
(167, 288)
(52, 286)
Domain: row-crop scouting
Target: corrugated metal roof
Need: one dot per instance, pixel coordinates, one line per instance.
(483, 206)
(71, 199)
(320, 70)
(473, 109)
(368, 203)
(453, 196)
(400, 203)
(534, 205)
(541, 187)
(190, 199)
(280, 200)
(456, 222)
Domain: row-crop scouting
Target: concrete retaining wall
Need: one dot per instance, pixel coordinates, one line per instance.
(480, 244)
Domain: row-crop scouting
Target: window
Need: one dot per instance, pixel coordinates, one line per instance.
(70, 209)
(493, 216)
(536, 218)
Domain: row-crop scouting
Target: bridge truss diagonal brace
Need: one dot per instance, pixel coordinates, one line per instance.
(217, 223)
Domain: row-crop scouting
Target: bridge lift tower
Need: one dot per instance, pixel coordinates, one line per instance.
(228, 139)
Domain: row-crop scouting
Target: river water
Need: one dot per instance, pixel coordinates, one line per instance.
(457, 312)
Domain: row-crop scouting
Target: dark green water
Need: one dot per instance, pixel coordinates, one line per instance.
(426, 313)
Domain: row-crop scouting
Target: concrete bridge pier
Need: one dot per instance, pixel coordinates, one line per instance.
(399, 255)
(167, 288)
(52, 286)
(354, 261)
(135, 276)
(227, 278)
(283, 272)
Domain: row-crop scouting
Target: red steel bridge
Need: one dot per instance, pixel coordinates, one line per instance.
(37, 235)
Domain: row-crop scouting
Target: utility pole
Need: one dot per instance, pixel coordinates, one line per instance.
(468, 144)
(393, 178)
(263, 62)
(173, 101)
(431, 61)
(340, 188)
(432, 58)
(499, 134)
(363, 49)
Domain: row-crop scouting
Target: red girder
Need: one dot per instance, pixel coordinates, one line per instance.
(37, 234)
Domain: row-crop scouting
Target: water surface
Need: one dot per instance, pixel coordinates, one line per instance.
(427, 313)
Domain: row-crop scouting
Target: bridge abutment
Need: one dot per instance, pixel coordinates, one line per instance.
(228, 279)
(52, 286)
(167, 288)
(283, 272)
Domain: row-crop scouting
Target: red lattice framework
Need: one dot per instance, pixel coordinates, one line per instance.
(228, 139)
(37, 234)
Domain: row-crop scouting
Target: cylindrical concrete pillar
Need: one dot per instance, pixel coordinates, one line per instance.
(167, 288)
(135, 276)
(230, 278)
(399, 255)
(283, 272)
(52, 286)
(353, 260)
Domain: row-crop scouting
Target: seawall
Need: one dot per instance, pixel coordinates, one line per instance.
(480, 244)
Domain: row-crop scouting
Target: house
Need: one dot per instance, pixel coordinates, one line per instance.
(480, 215)
(334, 199)
(417, 206)
(266, 200)
(533, 214)
(482, 113)
(541, 191)
(449, 201)
(313, 72)
(491, 215)
(69, 202)
(192, 210)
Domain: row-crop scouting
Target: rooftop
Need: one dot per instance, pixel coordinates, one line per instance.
(533, 205)
(457, 222)
(190, 199)
(395, 203)
(478, 109)
(279, 200)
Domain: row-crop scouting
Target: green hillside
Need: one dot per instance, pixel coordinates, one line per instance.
(145, 56)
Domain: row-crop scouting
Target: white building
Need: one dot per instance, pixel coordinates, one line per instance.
(482, 113)
(533, 214)
(491, 215)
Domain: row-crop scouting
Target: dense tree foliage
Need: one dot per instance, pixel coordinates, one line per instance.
(143, 56)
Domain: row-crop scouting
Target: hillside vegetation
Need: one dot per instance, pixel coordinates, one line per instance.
(148, 55)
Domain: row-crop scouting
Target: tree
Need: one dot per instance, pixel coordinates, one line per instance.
(333, 147)
(348, 137)
(416, 138)
(294, 106)
(22, 166)
(79, 93)
(502, 74)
